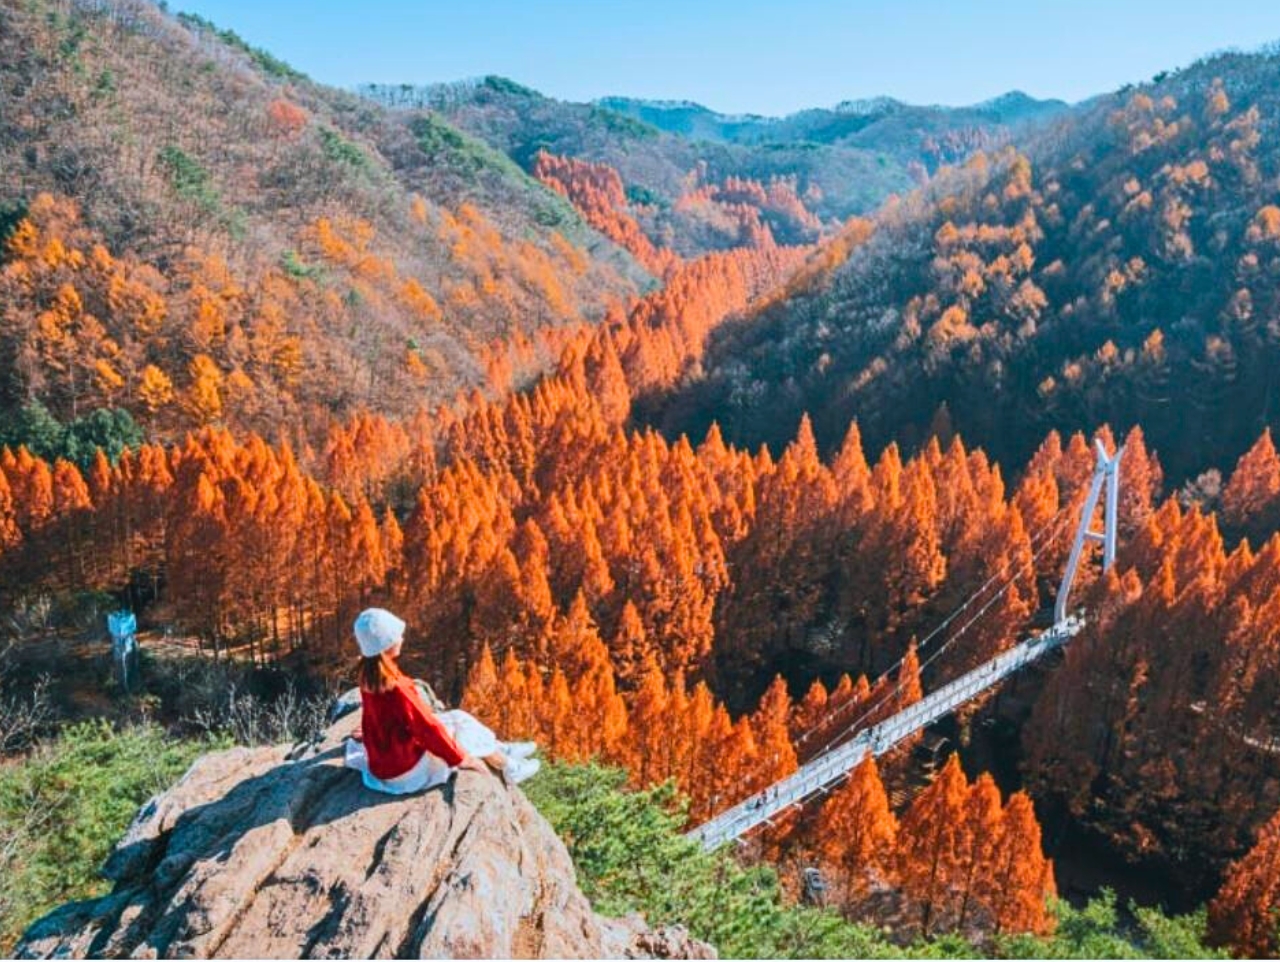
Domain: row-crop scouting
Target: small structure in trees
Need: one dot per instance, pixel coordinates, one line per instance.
(123, 626)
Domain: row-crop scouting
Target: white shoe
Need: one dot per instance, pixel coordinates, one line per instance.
(520, 749)
(521, 769)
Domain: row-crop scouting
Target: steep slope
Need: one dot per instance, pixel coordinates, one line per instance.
(283, 249)
(1122, 269)
(265, 853)
(658, 167)
(844, 161)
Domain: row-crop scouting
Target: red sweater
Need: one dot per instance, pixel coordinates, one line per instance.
(398, 728)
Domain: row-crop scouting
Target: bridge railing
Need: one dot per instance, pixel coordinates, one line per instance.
(830, 767)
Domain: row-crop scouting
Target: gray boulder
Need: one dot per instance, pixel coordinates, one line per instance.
(273, 853)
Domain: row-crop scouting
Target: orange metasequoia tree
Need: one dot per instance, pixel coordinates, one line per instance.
(858, 834)
(932, 841)
(1246, 913)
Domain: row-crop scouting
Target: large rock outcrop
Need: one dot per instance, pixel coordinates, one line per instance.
(272, 853)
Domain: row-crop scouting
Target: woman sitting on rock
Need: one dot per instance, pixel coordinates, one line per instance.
(403, 746)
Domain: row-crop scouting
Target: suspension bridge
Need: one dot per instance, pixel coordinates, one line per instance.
(832, 766)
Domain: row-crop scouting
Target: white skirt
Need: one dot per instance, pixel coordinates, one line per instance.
(472, 736)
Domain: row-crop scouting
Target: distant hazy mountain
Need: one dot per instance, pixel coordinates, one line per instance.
(862, 123)
(853, 156)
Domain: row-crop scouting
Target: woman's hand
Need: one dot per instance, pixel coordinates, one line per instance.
(473, 764)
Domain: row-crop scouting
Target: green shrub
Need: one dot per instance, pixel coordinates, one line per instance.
(64, 807)
(468, 157)
(643, 196)
(631, 856)
(192, 182)
(112, 429)
(105, 85)
(617, 123)
(12, 213)
(342, 151)
(504, 85)
(1097, 931)
(550, 215)
(435, 136)
(73, 35)
(448, 146)
(294, 266)
(189, 180)
(274, 65)
(269, 63)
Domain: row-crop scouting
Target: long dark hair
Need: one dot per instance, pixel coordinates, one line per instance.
(378, 674)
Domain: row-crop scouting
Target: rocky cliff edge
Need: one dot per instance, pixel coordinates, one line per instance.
(280, 853)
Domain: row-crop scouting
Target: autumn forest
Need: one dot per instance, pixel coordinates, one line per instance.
(674, 457)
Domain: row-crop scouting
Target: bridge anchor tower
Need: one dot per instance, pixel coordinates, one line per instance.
(1106, 475)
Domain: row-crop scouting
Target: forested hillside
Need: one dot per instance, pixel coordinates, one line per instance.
(673, 158)
(198, 233)
(657, 166)
(1118, 268)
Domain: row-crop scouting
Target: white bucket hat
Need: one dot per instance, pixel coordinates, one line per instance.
(377, 630)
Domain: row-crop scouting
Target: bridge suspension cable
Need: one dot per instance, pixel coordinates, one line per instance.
(879, 700)
(834, 765)
(1027, 566)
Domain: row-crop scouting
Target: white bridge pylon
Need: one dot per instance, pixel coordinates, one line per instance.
(1106, 473)
(821, 774)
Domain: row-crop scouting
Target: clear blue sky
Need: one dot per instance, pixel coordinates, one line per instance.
(749, 55)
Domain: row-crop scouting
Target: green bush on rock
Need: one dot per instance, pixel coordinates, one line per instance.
(63, 808)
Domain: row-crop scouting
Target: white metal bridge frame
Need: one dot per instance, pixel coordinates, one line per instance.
(828, 769)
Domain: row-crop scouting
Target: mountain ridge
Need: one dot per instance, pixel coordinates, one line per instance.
(647, 109)
(1118, 252)
(852, 162)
